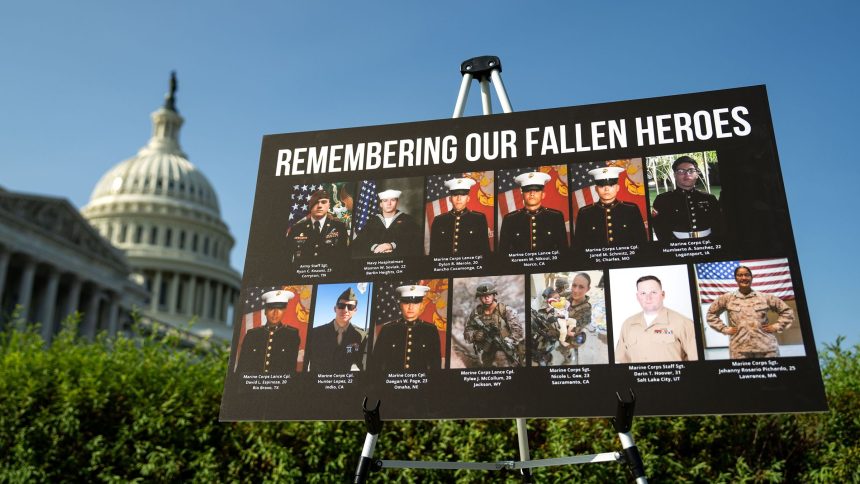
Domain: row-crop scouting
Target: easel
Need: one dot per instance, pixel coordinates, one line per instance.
(486, 69)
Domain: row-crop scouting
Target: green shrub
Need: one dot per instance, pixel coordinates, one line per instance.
(146, 409)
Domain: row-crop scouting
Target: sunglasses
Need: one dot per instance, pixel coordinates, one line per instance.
(350, 307)
(688, 171)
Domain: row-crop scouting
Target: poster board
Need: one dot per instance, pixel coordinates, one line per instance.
(587, 298)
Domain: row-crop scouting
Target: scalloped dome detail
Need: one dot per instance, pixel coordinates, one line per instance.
(159, 169)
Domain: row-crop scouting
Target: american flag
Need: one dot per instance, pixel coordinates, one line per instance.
(299, 202)
(295, 314)
(366, 206)
(556, 190)
(438, 203)
(435, 303)
(770, 276)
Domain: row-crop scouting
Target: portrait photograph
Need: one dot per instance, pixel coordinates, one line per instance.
(388, 218)
(488, 322)
(684, 195)
(608, 200)
(748, 309)
(459, 210)
(652, 320)
(273, 329)
(567, 319)
(341, 319)
(534, 204)
(410, 324)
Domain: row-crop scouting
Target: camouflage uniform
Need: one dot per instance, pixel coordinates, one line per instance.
(748, 313)
(505, 319)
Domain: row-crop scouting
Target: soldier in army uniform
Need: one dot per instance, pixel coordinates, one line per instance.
(494, 329)
(319, 237)
(750, 335)
(685, 212)
(461, 231)
(338, 345)
(534, 227)
(391, 232)
(407, 343)
(609, 222)
(272, 348)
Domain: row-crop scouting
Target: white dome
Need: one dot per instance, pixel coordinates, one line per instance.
(162, 211)
(160, 169)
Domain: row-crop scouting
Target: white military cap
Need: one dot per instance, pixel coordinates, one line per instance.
(459, 185)
(412, 292)
(280, 297)
(534, 178)
(389, 194)
(606, 172)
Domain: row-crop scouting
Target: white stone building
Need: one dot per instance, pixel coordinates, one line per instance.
(162, 212)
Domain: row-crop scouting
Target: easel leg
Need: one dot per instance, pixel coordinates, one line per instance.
(523, 438)
(374, 425)
(623, 422)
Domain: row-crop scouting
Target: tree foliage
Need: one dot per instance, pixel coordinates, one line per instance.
(146, 409)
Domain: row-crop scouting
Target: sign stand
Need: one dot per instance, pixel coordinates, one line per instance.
(486, 69)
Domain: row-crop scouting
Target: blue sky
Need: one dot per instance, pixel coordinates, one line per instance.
(79, 79)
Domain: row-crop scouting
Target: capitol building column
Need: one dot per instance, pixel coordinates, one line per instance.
(5, 255)
(47, 308)
(25, 287)
(173, 294)
(72, 297)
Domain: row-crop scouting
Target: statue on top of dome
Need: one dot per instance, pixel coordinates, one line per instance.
(170, 99)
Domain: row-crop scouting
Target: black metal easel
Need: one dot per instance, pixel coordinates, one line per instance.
(486, 69)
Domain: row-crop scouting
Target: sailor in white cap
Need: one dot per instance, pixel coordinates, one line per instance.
(272, 348)
(534, 227)
(460, 232)
(407, 343)
(390, 232)
(608, 222)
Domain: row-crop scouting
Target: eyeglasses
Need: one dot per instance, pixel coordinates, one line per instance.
(688, 171)
(350, 307)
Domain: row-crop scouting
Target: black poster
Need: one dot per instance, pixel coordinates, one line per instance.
(526, 265)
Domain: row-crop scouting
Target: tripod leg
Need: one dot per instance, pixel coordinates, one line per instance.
(486, 101)
(374, 427)
(460, 105)
(500, 91)
(523, 438)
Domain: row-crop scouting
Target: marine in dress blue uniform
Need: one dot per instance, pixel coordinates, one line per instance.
(534, 227)
(272, 348)
(608, 222)
(460, 232)
(407, 343)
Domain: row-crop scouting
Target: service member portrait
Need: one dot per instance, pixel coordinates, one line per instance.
(749, 309)
(318, 236)
(608, 222)
(272, 347)
(652, 315)
(336, 343)
(533, 208)
(488, 322)
(389, 221)
(408, 335)
(459, 231)
(568, 319)
(687, 209)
